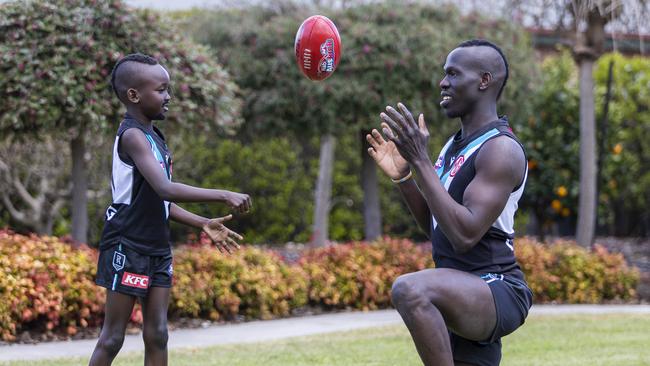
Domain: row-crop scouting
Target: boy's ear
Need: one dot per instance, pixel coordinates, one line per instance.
(132, 95)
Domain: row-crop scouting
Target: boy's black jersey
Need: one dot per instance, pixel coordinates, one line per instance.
(138, 218)
(494, 253)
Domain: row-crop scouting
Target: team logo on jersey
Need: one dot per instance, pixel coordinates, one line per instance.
(457, 164)
(118, 261)
(170, 269)
(135, 280)
(438, 163)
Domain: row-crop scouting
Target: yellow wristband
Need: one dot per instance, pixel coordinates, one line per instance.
(404, 179)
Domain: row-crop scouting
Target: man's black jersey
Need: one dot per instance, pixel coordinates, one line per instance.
(494, 253)
(138, 218)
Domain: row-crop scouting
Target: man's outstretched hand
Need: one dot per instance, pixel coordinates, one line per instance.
(222, 237)
(386, 155)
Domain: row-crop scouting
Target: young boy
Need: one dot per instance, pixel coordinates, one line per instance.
(135, 258)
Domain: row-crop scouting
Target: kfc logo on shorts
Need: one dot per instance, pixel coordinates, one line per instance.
(135, 280)
(457, 164)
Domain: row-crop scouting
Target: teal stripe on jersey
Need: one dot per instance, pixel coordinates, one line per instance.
(478, 141)
(157, 154)
(441, 157)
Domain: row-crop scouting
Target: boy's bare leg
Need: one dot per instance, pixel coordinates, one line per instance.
(154, 330)
(118, 311)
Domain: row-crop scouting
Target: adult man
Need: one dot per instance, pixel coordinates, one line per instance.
(458, 312)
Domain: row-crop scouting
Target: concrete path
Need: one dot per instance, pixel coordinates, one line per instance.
(258, 331)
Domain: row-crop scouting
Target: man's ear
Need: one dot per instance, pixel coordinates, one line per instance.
(486, 79)
(133, 96)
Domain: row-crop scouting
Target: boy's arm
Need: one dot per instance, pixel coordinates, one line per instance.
(138, 148)
(222, 237)
(180, 215)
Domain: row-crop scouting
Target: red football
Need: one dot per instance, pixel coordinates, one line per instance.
(318, 47)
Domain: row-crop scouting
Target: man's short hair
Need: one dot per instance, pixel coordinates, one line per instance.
(134, 57)
(482, 42)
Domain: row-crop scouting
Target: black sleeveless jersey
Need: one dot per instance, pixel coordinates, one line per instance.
(494, 253)
(138, 218)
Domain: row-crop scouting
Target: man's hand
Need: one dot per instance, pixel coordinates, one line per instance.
(386, 155)
(410, 138)
(221, 235)
(241, 202)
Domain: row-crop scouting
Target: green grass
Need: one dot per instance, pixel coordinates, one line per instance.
(593, 340)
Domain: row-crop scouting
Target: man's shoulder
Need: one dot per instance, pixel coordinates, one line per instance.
(502, 154)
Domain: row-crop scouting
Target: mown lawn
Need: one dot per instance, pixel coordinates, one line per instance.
(568, 340)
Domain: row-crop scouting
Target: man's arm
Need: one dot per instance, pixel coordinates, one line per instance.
(500, 167)
(388, 159)
(138, 148)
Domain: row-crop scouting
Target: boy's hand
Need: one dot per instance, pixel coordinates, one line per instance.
(221, 235)
(239, 201)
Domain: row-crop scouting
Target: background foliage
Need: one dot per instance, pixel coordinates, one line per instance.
(391, 52)
(46, 285)
(551, 138)
(57, 59)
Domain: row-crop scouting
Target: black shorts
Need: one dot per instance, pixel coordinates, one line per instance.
(512, 299)
(126, 271)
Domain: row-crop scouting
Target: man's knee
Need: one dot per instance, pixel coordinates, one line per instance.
(111, 343)
(404, 292)
(156, 336)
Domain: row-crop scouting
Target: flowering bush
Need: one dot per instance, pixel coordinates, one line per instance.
(565, 272)
(45, 284)
(360, 275)
(252, 282)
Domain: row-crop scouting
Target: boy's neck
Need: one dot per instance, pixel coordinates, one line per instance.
(137, 115)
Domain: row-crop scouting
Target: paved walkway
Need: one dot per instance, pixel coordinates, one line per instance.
(258, 331)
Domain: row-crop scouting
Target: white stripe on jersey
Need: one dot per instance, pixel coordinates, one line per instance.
(122, 178)
(506, 221)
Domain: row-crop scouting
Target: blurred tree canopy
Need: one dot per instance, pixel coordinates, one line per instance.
(551, 137)
(625, 189)
(54, 83)
(391, 52)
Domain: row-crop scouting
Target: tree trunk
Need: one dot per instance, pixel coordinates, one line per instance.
(602, 141)
(370, 187)
(587, 202)
(323, 190)
(79, 191)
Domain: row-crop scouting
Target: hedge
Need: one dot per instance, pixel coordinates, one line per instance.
(47, 285)
(564, 272)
